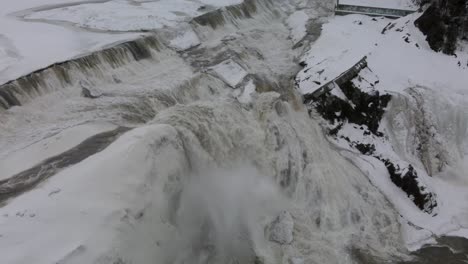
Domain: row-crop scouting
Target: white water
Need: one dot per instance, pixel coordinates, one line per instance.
(202, 174)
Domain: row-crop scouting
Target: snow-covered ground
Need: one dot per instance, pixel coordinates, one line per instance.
(401, 63)
(399, 56)
(51, 146)
(110, 16)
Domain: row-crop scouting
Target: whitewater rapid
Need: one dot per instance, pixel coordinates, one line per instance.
(208, 162)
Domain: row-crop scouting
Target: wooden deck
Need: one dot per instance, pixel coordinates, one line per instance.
(342, 9)
(342, 78)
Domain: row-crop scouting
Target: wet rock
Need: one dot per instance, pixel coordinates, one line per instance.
(230, 37)
(259, 260)
(116, 79)
(281, 229)
(88, 92)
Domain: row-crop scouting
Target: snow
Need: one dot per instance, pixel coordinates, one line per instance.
(100, 207)
(451, 219)
(397, 63)
(38, 44)
(338, 93)
(281, 229)
(395, 4)
(221, 2)
(41, 33)
(27, 157)
(84, 205)
(249, 90)
(342, 44)
(108, 16)
(297, 23)
(185, 40)
(230, 71)
(399, 58)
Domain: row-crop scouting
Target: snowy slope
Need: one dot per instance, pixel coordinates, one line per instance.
(428, 97)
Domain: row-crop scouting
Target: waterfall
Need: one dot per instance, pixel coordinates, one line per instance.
(200, 177)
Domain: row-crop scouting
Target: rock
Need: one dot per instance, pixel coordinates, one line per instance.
(55, 191)
(116, 79)
(88, 92)
(258, 260)
(281, 229)
(443, 23)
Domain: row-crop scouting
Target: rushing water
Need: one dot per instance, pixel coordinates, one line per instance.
(219, 170)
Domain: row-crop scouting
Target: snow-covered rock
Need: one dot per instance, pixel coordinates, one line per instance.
(281, 229)
(89, 92)
(185, 40)
(230, 72)
(297, 23)
(246, 95)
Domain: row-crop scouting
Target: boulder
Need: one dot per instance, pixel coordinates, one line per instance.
(281, 229)
(88, 92)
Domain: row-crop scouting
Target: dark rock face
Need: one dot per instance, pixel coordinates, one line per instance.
(407, 180)
(87, 93)
(443, 23)
(366, 109)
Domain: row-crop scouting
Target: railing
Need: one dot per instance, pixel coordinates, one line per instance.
(342, 9)
(342, 78)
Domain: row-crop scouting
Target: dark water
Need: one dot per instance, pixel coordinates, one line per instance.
(448, 250)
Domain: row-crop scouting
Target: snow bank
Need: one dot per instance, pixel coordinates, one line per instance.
(87, 211)
(49, 147)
